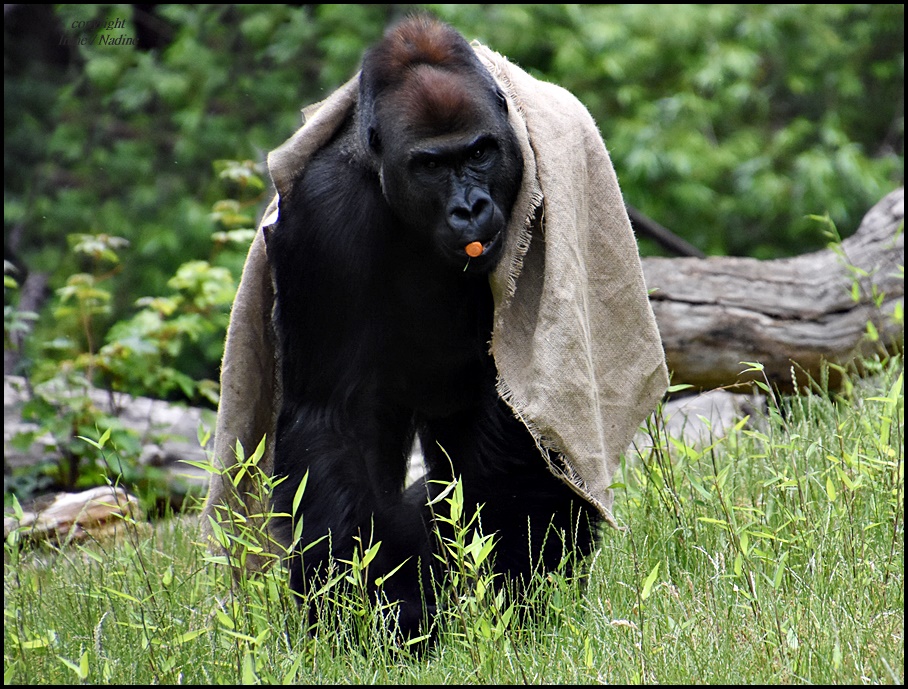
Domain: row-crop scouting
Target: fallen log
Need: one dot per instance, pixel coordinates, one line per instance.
(786, 314)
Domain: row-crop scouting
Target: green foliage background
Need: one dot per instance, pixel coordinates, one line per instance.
(727, 123)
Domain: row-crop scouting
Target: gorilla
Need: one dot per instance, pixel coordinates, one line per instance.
(383, 310)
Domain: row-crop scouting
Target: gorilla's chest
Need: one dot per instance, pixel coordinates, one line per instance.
(434, 336)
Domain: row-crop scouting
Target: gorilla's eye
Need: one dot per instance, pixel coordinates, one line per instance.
(425, 161)
(479, 150)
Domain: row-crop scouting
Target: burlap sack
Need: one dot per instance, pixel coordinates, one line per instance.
(579, 356)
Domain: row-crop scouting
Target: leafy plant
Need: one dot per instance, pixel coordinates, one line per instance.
(143, 354)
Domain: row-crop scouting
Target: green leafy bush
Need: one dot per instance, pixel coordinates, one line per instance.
(147, 353)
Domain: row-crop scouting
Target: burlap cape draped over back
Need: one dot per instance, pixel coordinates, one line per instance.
(578, 353)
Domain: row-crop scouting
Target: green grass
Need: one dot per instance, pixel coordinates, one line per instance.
(775, 555)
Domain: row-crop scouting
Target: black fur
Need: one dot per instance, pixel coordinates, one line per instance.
(384, 326)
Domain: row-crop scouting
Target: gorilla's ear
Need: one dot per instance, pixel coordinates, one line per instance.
(366, 124)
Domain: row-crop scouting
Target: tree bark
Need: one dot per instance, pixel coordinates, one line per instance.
(786, 314)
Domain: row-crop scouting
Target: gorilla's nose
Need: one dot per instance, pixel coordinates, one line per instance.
(470, 214)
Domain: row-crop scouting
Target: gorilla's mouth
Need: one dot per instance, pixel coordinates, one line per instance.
(476, 248)
(482, 255)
